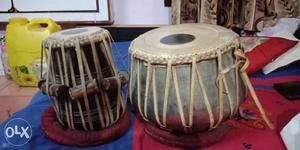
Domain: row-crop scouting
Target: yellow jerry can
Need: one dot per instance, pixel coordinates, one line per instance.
(23, 44)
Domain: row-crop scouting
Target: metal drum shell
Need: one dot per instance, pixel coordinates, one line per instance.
(208, 71)
(206, 60)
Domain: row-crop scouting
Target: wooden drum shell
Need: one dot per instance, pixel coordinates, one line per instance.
(74, 62)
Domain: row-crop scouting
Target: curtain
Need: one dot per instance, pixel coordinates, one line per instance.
(251, 15)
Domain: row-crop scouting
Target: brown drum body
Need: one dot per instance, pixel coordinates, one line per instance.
(186, 78)
(82, 80)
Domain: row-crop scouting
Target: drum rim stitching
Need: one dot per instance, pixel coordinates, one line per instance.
(83, 39)
(184, 58)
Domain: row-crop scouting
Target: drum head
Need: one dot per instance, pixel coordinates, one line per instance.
(69, 36)
(176, 40)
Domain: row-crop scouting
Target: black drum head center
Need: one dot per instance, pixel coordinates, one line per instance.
(176, 39)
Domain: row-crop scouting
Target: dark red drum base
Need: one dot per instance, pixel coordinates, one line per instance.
(66, 136)
(196, 140)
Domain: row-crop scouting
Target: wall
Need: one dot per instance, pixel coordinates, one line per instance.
(141, 12)
(58, 10)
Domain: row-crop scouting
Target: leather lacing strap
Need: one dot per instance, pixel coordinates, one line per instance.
(139, 98)
(82, 79)
(240, 54)
(155, 101)
(48, 76)
(130, 80)
(147, 90)
(206, 100)
(64, 81)
(172, 73)
(99, 77)
(105, 48)
(195, 75)
(192, 93)
(221, 79)
(167, 92)
(221, 89)
(237, 84)
(120, 96)
(68, 104)
(75, 84)
(178, 97)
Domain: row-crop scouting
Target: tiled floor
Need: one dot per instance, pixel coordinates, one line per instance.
(13, 97)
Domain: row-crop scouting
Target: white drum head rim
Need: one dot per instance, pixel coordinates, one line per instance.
(209, 40)
(67, 38)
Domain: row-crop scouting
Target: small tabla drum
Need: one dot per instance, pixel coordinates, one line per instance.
(84, 86)
(187, 79)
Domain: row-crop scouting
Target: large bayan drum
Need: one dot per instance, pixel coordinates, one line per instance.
(186, 79)
(83, 83)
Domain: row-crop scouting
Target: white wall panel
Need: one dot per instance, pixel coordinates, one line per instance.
(58, 5)
(141, 12)
(55, 5)
(5, 5)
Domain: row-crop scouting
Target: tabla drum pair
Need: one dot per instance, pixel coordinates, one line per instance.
(186, 80)
(84, 86)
